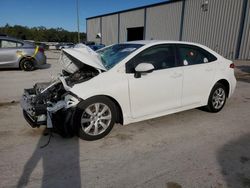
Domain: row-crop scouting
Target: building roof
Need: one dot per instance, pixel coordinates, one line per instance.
(137, 8)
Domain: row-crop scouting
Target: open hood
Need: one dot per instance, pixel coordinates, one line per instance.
(72, 59)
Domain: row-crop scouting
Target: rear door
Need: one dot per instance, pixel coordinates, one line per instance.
(159, 90)
(198, 72)
(9, 53)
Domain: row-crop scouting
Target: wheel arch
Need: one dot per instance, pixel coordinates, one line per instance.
(119, 118)
(26, 57)
(226, 84)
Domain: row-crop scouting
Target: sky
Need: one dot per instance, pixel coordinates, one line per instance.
(61, 13)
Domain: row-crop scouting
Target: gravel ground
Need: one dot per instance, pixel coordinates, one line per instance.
(192, 149)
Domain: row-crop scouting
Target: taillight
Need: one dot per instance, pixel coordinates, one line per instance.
(41, 50)
(232, 65)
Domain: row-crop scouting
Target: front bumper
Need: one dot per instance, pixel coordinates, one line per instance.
(42, 114)
(33, 114)
(32, 120)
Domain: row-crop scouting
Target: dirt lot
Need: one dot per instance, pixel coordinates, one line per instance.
(188, 149)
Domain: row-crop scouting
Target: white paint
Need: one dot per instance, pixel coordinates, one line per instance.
(161, 92)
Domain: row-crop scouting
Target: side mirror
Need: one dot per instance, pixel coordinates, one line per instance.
(143, 68)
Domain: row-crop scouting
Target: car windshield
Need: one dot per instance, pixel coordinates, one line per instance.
(112, 55)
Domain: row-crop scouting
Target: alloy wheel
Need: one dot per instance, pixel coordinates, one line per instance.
(96, 119)
(218, 98)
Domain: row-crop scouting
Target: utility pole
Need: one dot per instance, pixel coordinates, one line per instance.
(77, 10)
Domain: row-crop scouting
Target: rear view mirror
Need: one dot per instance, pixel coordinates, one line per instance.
(205, 60)
(143, 68)
(185, 62)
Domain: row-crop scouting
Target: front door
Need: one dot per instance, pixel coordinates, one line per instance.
(159, 90)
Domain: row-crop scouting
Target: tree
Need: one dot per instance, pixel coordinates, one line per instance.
(41, 33)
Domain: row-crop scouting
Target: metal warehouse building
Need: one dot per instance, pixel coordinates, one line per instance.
(223, 25)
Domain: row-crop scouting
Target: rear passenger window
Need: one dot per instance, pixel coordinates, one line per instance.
(10, 44)
(161, 57)
(192, 55)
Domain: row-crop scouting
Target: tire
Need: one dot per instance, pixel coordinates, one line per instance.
(94, 118)
(217, 98)
(27, 65)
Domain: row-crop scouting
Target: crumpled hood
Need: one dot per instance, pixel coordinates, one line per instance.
(83, 54)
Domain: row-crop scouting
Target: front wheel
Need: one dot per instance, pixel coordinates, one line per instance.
(217, 98)
(95, 118)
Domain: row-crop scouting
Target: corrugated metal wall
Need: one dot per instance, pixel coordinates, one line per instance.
(245, 42)
(163, 22)
(217, 28)
(93, 27)
(128, 20)
(110, 29)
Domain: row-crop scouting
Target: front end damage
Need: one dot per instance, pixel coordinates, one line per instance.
(51, 103)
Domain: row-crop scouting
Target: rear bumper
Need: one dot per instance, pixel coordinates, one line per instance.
(41, 59)
(232, 86)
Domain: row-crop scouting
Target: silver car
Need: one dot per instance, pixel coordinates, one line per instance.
(15, 53)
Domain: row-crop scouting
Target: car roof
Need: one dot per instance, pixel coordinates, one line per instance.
(145, 42)
(156, 42)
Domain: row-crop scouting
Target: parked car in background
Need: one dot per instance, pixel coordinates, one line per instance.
(64, 45)
(16, 53)
(126, 83)
(42, 45)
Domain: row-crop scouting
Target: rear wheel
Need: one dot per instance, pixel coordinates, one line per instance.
(27, 65)
(95, 118)
(217, 98)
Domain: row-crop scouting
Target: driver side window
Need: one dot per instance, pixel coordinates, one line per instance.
(160, 56)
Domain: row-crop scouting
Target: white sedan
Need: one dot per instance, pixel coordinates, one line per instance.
(126, 83)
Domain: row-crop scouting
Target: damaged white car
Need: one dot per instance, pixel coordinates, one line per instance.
(126, 83)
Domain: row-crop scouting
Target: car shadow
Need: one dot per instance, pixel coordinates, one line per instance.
(45, 66)
(52, 58)
(60, 160)
(9, 69)
(234, 159)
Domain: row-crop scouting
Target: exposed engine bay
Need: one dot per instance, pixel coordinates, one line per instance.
(51, 103)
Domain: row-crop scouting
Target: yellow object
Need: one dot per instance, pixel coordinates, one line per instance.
(23, 55)
(36, 50)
